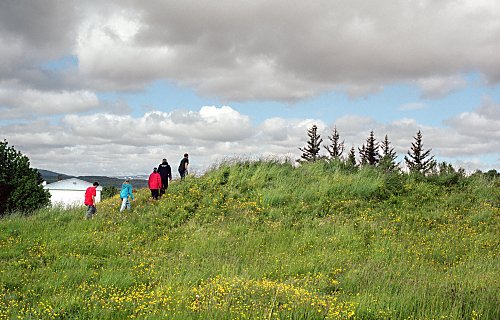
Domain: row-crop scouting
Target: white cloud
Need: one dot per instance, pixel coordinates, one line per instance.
(234, 51)
(222, 124)
(108, 55)
(353, 125)
(479, 131)
(20, 103)
(32, 32)
(123, 145)
(285, 134)
(360, 90)
(177, 128)
(260, 50)
(435, 87)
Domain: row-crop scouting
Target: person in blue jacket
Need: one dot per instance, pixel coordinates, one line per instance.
(125, 193)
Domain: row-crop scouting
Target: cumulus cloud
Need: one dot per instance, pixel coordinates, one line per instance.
(234, 51)
(332, 44)
(19, 103)
(211, 131)
(355, 125)
(257, 50)
(179, 127)
(123, 144)
(483, 123)
(34, 31)
(284, 133)
(436, 87)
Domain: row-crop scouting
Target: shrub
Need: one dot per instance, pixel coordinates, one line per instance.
(20, 185)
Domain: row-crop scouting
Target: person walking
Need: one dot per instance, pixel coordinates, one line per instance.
(183, 166)
(125, 194)
(90, 195)
(154, 183)
(165, 172)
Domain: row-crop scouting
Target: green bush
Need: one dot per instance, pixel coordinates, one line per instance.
(108, 192)
(20, 185)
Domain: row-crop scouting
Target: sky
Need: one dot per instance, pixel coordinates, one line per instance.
(113, 87)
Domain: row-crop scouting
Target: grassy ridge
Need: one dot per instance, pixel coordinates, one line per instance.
(263, 240)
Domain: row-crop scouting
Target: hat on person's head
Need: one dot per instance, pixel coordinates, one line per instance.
(186, 155)
(164, 160)
(155, 169)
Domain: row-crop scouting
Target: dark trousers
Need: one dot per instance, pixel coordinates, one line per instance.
(183, 173)
(91, 211)
(155, 193)
(164, 185)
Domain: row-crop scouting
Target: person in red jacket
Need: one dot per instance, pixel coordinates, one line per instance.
(154, 183)
(90, 195)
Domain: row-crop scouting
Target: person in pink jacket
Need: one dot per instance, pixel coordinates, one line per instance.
(154, 183)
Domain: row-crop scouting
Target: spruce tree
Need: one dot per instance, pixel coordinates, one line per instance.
(351, 158)
(417, 159)
(362, 155)
(371, 150)
(311, 151)
(388, 156)
(335, 148)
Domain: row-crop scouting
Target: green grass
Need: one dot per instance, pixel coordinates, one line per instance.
(263, 240)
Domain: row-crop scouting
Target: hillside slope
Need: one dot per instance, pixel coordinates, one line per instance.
(262, 240)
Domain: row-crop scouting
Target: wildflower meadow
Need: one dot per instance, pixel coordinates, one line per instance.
(264, 240)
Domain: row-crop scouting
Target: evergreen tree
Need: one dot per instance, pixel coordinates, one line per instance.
(351, 158)
(417, 159)
(444, 168)
(362, 155)
(371, 150)
(388, 156)
(20, 185)
(336, 148)
(311, 151)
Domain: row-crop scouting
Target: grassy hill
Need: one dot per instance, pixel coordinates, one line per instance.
(262, 240)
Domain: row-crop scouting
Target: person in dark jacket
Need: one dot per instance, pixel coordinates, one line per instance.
(183, 166)
(165, 172)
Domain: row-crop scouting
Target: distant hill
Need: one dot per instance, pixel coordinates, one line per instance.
(51, 176)
(117, 182)
(104, 181)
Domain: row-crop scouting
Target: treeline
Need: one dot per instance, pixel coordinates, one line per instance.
(380, 155)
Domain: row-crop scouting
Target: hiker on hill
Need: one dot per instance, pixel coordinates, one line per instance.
(125, 193)
(154, 183)
(90, 195)
(183, 166)
(165, 172)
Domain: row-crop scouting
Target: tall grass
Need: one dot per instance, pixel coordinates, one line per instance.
(263, 240)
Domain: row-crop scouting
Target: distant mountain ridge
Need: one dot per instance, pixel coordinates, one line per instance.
(51, 176)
